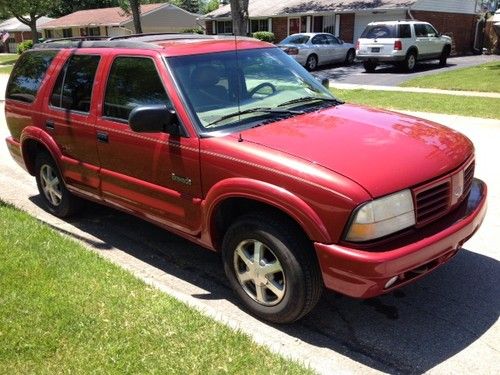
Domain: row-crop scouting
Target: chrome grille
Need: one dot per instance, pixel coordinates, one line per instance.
(432, 203)
(468, 176)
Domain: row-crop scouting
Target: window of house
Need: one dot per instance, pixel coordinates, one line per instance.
(28, 75)
(317, 24)
(48, 34)
(303, 24)
(133, 81)
(73, 88)
(259, 25)
(94, 31)
(67, 33)
(329, 24)
(224, 27)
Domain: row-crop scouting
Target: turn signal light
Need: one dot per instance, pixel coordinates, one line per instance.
(292, 51)
(357, 44)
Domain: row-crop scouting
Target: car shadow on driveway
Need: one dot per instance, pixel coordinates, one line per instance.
(408, 331)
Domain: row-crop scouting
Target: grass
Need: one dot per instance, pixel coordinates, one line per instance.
(436, 103)
(64, 309)
(7, 60)
(483, 77)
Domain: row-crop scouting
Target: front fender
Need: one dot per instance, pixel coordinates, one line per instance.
(36, 134)
(269, 194)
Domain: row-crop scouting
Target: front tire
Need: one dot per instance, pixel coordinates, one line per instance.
(272, 269)
(57, 199)
(311, 62)
(444, 56)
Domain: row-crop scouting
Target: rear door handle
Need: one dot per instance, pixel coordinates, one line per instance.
(49, 124)
(102, 137)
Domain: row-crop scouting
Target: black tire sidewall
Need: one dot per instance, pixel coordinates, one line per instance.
(309, 58)
(65, 208)
(407, 58)
(291, 306)
(369, 66)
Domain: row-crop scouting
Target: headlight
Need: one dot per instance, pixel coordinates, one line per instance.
(383, 216)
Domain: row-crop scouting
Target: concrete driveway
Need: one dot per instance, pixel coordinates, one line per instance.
(445, 323)
(388, 75)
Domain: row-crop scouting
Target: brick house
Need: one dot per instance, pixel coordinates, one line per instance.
(160, 17)
(348, 18)
(16, 32)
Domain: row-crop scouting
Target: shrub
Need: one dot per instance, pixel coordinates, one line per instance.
(196, 30)
(24, 46)
(265, 36)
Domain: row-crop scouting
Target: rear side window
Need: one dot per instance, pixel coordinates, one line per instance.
(379, 32)
(73, 88)
(133, 81)
(404, 31)
(28, 75)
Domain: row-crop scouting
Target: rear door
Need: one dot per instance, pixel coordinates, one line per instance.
(154, 175)
(422, 40)
(68, 118)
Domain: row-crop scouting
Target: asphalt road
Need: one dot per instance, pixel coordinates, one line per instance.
(388, 75)
(445, 323)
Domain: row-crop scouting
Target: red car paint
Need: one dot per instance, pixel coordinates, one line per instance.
(316, 168)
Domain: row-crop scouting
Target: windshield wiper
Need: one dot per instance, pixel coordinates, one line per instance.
(310, 99)
(252, 110)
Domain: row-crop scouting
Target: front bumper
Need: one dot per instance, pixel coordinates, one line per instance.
(364, 274)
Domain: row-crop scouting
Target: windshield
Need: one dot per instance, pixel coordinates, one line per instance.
(230, 90)
(295, 39)
(379, 32)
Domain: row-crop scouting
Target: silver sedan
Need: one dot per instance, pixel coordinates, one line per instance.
(314, 49)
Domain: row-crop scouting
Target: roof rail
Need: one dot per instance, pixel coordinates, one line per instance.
(163, 36)
(131, 44)
(76, 39)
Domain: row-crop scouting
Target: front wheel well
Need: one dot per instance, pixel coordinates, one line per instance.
(31, 148)
(228, 211)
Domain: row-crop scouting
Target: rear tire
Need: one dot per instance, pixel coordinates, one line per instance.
(57, 199)
(272, 268)
(369, 66)
(444, 56)
(311, 62)
(410, 62)
(349, 58)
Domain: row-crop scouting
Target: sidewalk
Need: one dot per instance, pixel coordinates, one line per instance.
(351, 86)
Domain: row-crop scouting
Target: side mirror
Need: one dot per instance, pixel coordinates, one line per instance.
(325, 82)
(154, 119)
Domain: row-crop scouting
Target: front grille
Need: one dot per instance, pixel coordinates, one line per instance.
(468, 176)
(432, 203)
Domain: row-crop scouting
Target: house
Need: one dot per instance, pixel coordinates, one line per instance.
(348, 18)
(161, 17)
(13, 32)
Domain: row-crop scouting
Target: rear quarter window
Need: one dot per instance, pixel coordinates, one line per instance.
(404, 31)
(379, 32)
(28, 75)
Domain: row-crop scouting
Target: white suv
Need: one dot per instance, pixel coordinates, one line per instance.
(401, 42)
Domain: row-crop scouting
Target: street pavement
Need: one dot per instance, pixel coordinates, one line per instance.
(445, 323)
(388, 75)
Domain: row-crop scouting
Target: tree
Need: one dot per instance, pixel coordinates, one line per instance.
(29, 11)
(211, 6)
(192, 6)
(69, 6)
(239, 14)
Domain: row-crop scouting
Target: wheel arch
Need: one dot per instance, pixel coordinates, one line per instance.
(34, 141)
(232, 198)
(412, 49)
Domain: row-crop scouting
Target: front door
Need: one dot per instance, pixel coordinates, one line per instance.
(294, 26)
(154, 175)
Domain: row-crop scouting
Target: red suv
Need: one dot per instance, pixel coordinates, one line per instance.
(232, 144)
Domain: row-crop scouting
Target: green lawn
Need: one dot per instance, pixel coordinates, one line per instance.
(484, 78)
(436, 103)
(7, 60)
(64, 309)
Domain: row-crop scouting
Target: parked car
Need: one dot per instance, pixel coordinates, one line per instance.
(232, 145)
(314, 49)
(402, 43)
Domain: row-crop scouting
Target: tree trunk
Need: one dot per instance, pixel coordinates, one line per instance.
(135, 8)
(239, 14)
(34, 31)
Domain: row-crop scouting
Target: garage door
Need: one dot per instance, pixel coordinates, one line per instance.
(363, 19)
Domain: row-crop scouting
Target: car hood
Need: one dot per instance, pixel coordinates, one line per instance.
(380, 150)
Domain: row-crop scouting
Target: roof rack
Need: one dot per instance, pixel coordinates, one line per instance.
(76, 38)
(131, 44)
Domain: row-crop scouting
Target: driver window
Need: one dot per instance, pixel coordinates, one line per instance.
(332, 40)
(431, 32)
(133, 81)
